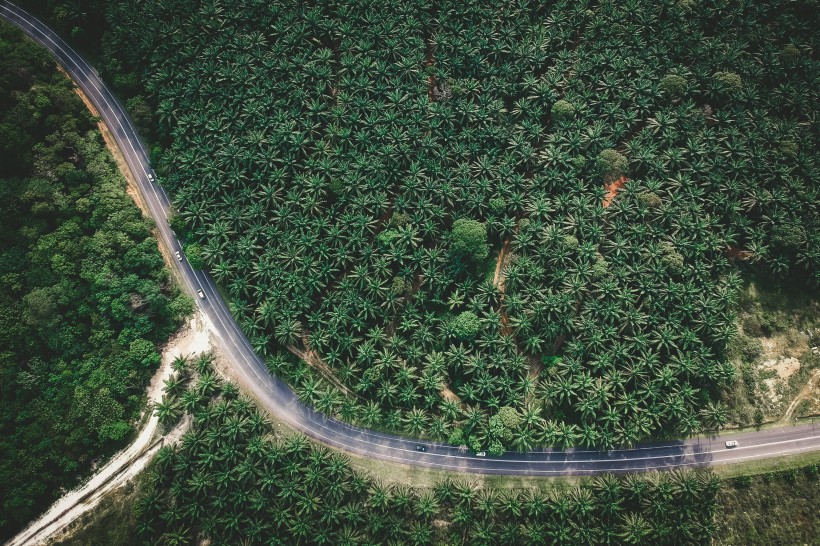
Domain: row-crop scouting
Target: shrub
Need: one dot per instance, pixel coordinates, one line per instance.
(498, 206)
(789, 236)
(747, 348)
(674, 85)
(470, 239)
(466, 325)
(727, 82)
(789, 148)
(195, 257)
(562, 111)
(496, 449)
(456, 437)
(612, 164)
(671, 258)
(686, 6)
(743, 481)
(599, 268)
(650, 199)
(399, 219)
(752, 325)
(399, 286)
(569, 242)
(789, 54)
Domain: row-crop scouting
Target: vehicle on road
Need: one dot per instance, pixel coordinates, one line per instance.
(179, 256)
(421, 448)
(151, 178)
(731, 443)
(201, 294)
(481, 454)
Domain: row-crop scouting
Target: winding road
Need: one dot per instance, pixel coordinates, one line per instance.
(280, 400)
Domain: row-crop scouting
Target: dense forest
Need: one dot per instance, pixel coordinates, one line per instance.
(500, 225)
(232, 480)
(84, 297)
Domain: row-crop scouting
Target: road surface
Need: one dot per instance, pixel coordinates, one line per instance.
(280, 400)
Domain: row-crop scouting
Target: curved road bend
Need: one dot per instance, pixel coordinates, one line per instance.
(282, 402)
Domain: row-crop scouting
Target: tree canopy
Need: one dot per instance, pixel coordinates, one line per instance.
(84, 297)
(322, 157)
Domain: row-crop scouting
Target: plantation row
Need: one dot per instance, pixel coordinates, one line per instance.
(230, 481)
(410, 197)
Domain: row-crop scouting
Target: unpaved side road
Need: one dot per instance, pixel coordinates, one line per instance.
(193, 339)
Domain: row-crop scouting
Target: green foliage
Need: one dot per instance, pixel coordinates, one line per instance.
(674, 85)
(612, 164)
(465, 325)
(232, 481)
(399, 286)
(789, 54)
(179, 227)
(671, 258)
(789, 148)
(195, 256)
(650, 199)
(469, 240)
(318, 154)
(773, 508)
(562, 111)
(83, 294)
(728, 83)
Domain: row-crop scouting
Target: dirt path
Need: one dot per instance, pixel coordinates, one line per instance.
(450, 395)
(192, 339)
(498, 279)
(315, 361)
(813, 382)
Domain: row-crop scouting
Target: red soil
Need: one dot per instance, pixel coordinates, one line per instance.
(612, 190)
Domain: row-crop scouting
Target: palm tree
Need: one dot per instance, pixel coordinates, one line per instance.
(168, 411)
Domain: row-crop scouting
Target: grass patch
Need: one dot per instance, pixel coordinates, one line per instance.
(766, 466)
(419, 477)
(776, 508)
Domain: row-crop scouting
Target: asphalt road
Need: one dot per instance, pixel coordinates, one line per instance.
(283, 403)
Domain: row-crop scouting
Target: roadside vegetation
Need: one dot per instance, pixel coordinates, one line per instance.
(775, 509)
(84, 298)
(233, 480)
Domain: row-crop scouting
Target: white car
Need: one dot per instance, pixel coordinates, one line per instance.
(151, 178)
(179, 256)
(481, 454)
(201, 294)
(731, 443)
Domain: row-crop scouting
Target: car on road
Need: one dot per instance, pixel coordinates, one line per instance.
(421, 448)
(201, 294)
(151, 178)
(179, 256)
(481, 454)
(732, 443)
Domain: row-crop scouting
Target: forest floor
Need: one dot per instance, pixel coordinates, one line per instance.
(192, 339)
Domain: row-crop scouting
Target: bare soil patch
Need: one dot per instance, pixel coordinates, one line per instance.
(612, 190)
